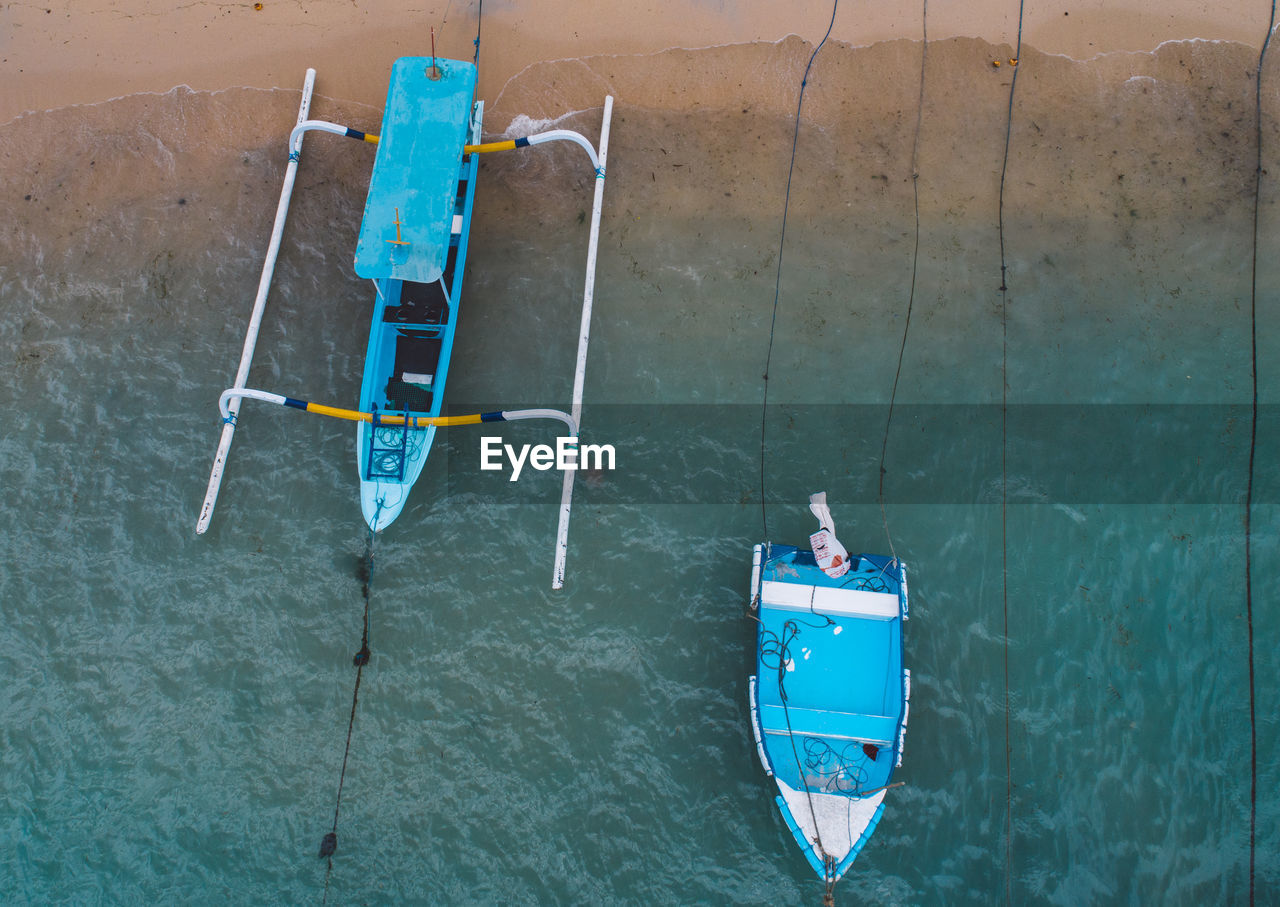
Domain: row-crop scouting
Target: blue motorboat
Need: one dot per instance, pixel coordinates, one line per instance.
(830, 695)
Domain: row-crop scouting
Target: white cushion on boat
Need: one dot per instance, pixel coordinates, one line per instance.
(878, 729)
(416, 378)
(827, 600)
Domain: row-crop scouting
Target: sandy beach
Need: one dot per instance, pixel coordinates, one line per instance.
(55, 55)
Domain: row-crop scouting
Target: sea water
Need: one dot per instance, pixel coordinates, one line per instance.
(1065, 474)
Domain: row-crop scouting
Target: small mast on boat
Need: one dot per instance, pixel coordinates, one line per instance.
(413, 245)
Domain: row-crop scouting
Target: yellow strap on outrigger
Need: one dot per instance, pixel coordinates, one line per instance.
(554, 135)
(509, 145)
(355, 415)
(352, 415)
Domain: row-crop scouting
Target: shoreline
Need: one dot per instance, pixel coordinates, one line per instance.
(57, 58)
(532, 88)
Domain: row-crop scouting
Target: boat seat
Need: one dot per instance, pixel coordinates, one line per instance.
(829, 600)
(411, 384)
(878, 729)
(420, 303)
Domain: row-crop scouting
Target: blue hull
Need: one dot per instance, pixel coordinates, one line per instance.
(829, 699)
(413, 245)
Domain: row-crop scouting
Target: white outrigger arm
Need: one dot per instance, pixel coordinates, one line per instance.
(553, 135)
(235, 394)
(231, 399)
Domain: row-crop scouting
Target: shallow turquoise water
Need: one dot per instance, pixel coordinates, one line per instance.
(175, 707)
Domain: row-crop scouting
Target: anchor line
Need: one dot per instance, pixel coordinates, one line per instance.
(915, 265)
(479, 15)
(782, 241)
(781, 647)
(479, 12)
(329, 844)
(1253, 446)
(1004, 478)
(764, 404)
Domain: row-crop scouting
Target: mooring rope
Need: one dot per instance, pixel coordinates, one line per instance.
(777, 288)
(771, 645)
(479, 15)
(915, 265)
(1253, 447)
(764, 412)
(1004, 477)
(329, 843)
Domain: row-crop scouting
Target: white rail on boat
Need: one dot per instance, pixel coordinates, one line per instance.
(584, 338)
(255, 319)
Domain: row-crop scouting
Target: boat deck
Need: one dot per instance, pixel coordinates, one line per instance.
(830, 692)
(413, 244)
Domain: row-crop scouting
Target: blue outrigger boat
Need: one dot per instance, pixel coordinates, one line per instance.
(830, 695)
(413, 246)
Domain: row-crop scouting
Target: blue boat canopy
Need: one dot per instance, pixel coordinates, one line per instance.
(415, 172)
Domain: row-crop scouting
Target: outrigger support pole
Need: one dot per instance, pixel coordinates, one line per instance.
(255, 319)
(295, 137)
(584, 338)
(555, 135)
(233, 395)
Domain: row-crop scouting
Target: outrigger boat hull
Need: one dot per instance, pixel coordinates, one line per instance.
(830, 696)
(413, 245)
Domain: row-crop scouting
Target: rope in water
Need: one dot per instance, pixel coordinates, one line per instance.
(777, 288)
(828, 863)
(330, 841)
(1004, 478)
(915, 266)
(772, 647)
(1253, 447)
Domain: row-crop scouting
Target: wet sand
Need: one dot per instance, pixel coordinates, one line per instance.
(1129, 186)
(1125, 172)
(52, 56)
